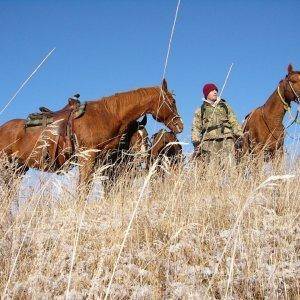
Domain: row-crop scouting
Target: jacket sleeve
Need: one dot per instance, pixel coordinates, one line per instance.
(196, 127)
(236, 127)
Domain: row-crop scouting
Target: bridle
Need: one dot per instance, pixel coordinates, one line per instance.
(164, 102)
(172, 119)
(286, 105)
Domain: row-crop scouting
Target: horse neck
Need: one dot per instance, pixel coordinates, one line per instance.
(274, 108)
(135, 104)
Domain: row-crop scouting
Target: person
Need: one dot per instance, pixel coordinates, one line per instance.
(215, 128)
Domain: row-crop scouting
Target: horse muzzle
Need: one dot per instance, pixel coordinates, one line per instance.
(176, 124)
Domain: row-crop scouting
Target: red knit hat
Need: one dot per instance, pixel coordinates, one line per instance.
(208, 88)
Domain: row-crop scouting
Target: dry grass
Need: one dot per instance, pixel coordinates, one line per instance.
(213, 233)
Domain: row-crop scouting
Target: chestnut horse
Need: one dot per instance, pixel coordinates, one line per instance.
(99, 128)
(263, 127)
(165, 146)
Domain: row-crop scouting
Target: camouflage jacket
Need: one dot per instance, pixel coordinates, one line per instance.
(211, 123)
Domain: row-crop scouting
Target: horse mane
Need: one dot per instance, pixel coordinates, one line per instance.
(129, 95)
(293, 73)
(247, 116)
(250, 113)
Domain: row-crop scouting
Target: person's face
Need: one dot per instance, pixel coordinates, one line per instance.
(212, 96)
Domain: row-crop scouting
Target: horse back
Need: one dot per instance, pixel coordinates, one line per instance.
(96, 127)
(33, 146)
(10, 133)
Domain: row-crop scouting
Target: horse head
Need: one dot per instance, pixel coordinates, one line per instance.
(165, 110)
(290, 85)
(165, 143)
(139, 137)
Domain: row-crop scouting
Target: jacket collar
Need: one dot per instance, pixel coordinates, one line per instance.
(212, 103)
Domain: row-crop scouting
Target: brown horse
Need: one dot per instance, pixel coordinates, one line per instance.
(99, 128)
(131, 153)
(263, 127)
(165, 147)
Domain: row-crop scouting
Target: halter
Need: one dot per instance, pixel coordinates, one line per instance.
(286, 106)
(295, 94)
(172, 119)
(164, 102)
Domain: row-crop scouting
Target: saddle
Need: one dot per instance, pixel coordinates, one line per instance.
(47, 116)
(57, 130)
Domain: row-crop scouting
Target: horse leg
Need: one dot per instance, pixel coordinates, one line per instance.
(242, 149)
(109, 182)
(86, 169)
(277, 157)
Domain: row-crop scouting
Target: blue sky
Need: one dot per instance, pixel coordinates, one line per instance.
(107, 46)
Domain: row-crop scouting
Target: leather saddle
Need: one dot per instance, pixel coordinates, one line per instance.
(57, 128)
(47, 116)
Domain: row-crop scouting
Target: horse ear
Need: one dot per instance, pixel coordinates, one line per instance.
(143, 122)
(290, 68)
(164, 85)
